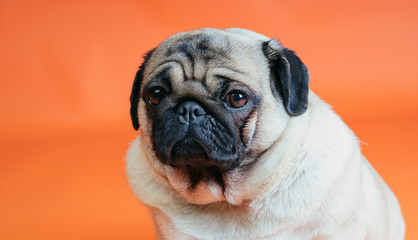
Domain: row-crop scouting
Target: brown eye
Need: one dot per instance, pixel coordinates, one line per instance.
(155, 95)
(237, 99)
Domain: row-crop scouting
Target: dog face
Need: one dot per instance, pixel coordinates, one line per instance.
(210, 102)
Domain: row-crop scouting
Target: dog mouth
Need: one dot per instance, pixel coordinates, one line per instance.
(188, 152)
(201, 159)
(190, 156)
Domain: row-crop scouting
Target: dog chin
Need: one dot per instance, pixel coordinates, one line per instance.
(204, 192)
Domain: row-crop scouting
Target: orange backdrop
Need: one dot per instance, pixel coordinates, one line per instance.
(67, 69)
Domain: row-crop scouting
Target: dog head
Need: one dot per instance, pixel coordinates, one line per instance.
(210, 102)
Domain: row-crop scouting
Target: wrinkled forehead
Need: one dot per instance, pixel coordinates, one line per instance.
(200, 54)
(202, 46)
(210, 43)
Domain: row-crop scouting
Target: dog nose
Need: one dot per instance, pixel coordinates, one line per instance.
(190, 112)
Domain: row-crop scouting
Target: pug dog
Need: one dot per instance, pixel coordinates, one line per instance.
(234, 145)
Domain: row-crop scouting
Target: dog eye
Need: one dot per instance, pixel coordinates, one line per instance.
(155, 95)
(237, 99)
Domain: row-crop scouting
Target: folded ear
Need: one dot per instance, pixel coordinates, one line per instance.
(290, 77)
(136, 91)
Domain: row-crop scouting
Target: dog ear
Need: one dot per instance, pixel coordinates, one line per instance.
(289, 77)
(136, 90)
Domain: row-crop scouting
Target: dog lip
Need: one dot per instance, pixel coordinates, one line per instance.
(194, 145)
(188, 147)
(189, 152)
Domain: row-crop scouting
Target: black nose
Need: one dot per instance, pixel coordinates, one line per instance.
(190, 112)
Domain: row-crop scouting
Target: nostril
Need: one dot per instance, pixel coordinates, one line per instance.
(198, 111)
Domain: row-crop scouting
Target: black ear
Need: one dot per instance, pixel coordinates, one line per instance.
(290, 77)
(136, 91)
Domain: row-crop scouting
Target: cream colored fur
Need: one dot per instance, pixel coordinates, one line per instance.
(311, 183)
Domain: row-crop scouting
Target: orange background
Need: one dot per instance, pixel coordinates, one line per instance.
(67, 68)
